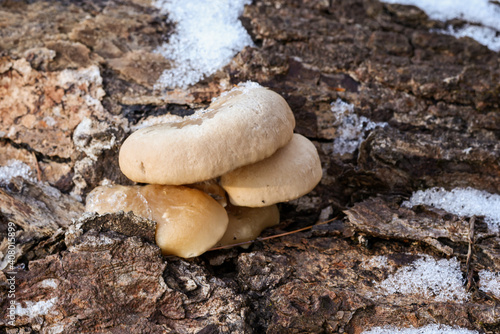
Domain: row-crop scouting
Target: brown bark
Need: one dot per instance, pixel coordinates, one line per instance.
(75, 75)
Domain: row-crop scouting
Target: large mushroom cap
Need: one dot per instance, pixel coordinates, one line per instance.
(291, 172)
(189, 222)
(244, 126)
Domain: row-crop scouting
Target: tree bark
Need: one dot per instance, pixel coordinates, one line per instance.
(76, 76)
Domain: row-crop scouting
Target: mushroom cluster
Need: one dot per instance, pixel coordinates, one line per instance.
(215, 177)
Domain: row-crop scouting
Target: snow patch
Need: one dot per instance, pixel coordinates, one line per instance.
(35, 309)
(351, 128)
(483, 12)
(56, 329)
(13, 169)
(489, 282)
(49, 283)
(429, 329)
(429, 278)
(461, 202)
(50, 121)
(376, 262)
(243, 87)
(467, 150)
(208, 35)
(484, 35)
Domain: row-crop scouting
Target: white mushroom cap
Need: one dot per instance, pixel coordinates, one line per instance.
(239, 128)
(246, 224)
(189, 222)
(291, 172)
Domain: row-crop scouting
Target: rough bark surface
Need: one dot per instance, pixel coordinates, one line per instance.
(77, 76)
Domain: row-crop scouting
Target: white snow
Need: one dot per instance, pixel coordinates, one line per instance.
(50, 121)
(464, 202)
(16, 168)
(484, 35)
(467, 150)
(34, 309)
(49, 283)
(489, 282)
(55, 328)
(483, 12)
(207, 36)
(351, 128)
(13, 169)
(379, 261)
(243, 87)
(426, 277)
(429, 329)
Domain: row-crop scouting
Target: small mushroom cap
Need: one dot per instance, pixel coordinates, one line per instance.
(189, 222)
(290, 173)
(246, 224)
(242, 127)
(108, 199)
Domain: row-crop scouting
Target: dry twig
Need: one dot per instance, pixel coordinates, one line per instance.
(38, 170)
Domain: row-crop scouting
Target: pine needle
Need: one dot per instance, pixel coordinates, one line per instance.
(272, 236)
